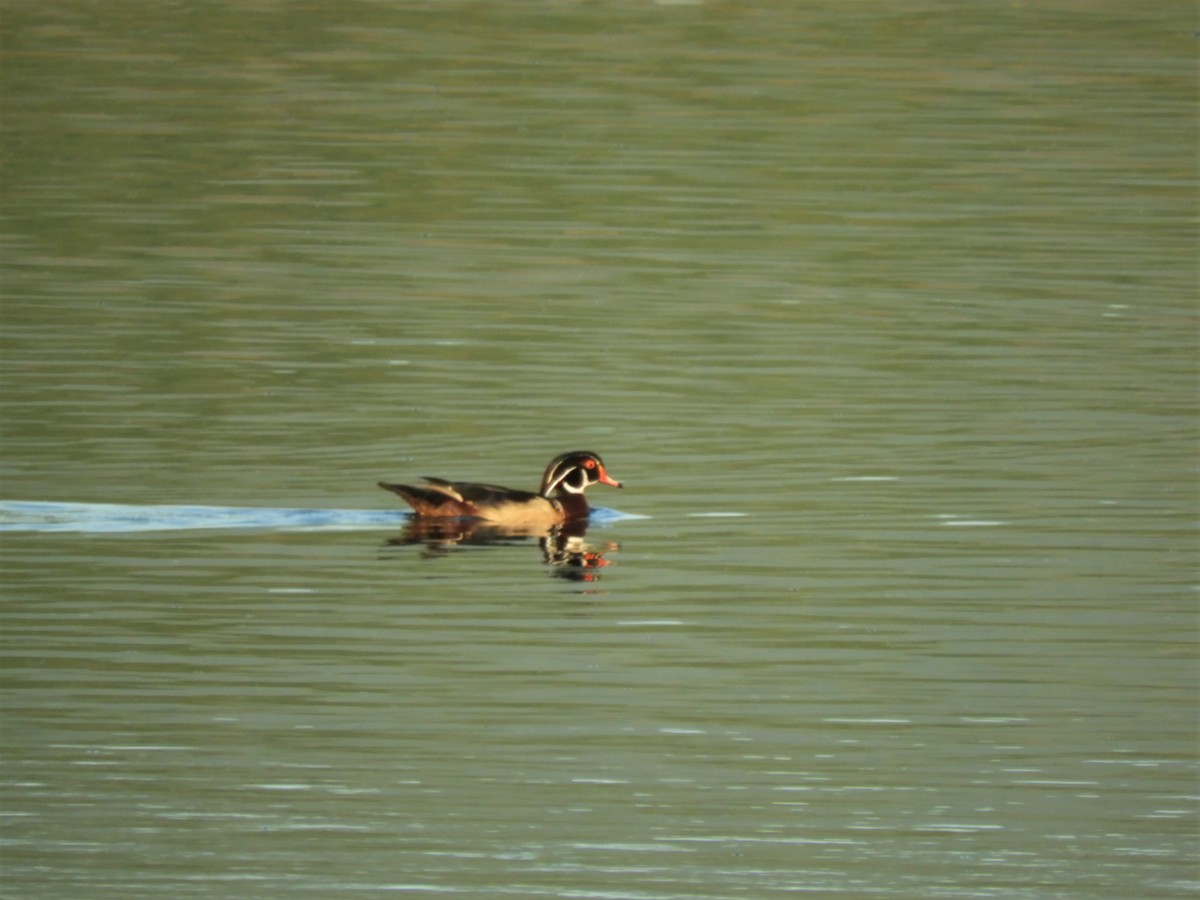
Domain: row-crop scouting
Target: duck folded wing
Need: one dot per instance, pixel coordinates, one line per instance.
(463, 498)
(432, 500)
(482, 494)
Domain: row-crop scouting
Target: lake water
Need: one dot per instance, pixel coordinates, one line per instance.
(885, 313)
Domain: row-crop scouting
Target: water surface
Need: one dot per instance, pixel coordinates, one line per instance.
(885, 316)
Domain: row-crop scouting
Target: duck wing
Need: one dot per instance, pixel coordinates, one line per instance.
(439, 497)
(480, 494)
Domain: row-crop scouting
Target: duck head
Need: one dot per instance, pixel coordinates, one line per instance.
(574, 473)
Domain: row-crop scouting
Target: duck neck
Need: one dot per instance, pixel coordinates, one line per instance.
(574, 506)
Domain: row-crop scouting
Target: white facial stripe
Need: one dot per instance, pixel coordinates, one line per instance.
(559, 481)
(552, 483)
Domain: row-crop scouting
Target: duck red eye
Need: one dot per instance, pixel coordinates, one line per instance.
(589, 464)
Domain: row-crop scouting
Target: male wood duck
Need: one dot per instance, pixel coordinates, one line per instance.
(559, 499)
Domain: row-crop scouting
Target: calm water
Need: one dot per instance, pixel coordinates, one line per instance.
(885, 313)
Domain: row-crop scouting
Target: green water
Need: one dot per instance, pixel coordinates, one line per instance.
(908, 287)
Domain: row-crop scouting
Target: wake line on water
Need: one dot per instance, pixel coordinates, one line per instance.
(118, 518)
(22, 515)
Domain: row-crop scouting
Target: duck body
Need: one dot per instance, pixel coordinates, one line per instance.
(560, 498)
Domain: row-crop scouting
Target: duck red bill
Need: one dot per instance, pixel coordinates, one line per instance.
(605, 478)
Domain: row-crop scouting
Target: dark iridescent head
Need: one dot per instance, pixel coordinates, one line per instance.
(574, 473)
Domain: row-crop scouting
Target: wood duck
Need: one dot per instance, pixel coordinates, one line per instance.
(559, 499)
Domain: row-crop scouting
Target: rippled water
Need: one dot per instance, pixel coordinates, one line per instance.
(885, 316)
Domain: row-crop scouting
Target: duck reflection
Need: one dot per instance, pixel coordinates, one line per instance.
(564, 547)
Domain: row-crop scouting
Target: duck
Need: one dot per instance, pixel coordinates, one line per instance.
(559, 499)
